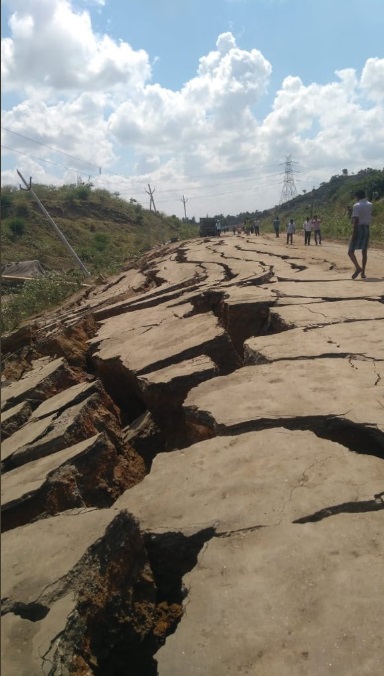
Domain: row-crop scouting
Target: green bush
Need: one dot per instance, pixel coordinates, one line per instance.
(100, 241)
(17, 226)
(37, 295)
(82, 192)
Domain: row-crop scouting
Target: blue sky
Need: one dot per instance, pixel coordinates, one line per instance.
(198, 98)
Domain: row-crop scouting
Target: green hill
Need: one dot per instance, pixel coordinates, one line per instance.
(329, 201)
(104, 230)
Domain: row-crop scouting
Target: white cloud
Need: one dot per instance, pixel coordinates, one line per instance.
(54, 48)
(93, 98)
(372, 79)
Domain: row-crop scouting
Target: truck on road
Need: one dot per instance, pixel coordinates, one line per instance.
(208, 227)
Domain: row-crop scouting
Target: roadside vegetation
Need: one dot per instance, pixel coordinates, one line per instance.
(106, 232)
(35, 296)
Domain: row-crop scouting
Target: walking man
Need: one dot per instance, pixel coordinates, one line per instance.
(361, 221)
(291, 228)
(276, 226)
(307, 227)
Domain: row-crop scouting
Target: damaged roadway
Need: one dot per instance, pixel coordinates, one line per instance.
(193, 477)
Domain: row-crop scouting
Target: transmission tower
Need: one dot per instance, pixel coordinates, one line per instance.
(289, 189)
(151, 201)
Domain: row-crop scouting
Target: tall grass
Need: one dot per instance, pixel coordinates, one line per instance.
(35, 296)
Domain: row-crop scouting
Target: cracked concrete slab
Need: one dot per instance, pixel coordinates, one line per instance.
(14, 417)
(26, 435)
(236, 482)
(337, 290)
(287, 600)
(25, 480)
(317, 314)
(152, 348)
(289, 390)
(46, 377)
(44, 436)
(38, 556)
(180, 376)
(364, 339)
(62, 400)
(33, 639)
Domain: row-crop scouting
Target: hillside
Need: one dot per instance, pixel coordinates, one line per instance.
(104, 229)
(329, 201)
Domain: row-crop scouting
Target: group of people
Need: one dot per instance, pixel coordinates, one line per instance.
(361, 218)
(309, 226)
(248, 227)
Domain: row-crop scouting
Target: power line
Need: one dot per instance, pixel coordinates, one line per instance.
(112, 173)
(132, 190)
(61, 152)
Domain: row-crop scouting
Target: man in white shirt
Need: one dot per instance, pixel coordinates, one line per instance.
(291, 229)
(307, 227)
(361, 221)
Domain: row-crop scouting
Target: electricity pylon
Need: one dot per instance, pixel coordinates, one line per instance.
(289, 189)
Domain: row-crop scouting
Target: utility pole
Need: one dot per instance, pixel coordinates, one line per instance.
(289, 188)
(184, 201)
(151, 201)
(313, 200)
(28, 188)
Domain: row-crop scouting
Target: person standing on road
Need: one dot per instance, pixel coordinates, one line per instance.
(291, 228)
(316, 221)
(361, 221)
(276, 226)
(307, 227)
(256, 226)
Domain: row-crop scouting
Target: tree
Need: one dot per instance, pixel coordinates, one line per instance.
(345, 172)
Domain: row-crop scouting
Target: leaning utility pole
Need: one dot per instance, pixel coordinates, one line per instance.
(28, 188)
(184, 201)
(151, 201)
(289, 188)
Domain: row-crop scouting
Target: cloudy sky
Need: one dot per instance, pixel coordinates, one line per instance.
(199, 101)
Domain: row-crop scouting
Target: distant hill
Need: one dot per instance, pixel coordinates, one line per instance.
(105, 230)
(330, 201)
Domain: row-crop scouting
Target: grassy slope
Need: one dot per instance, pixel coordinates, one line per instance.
(103, 229)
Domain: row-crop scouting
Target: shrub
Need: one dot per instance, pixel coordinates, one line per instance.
(17, 226)
(100, 241)
(37, 295)
(82, 192)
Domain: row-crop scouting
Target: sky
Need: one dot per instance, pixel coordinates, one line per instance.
(195, 105)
